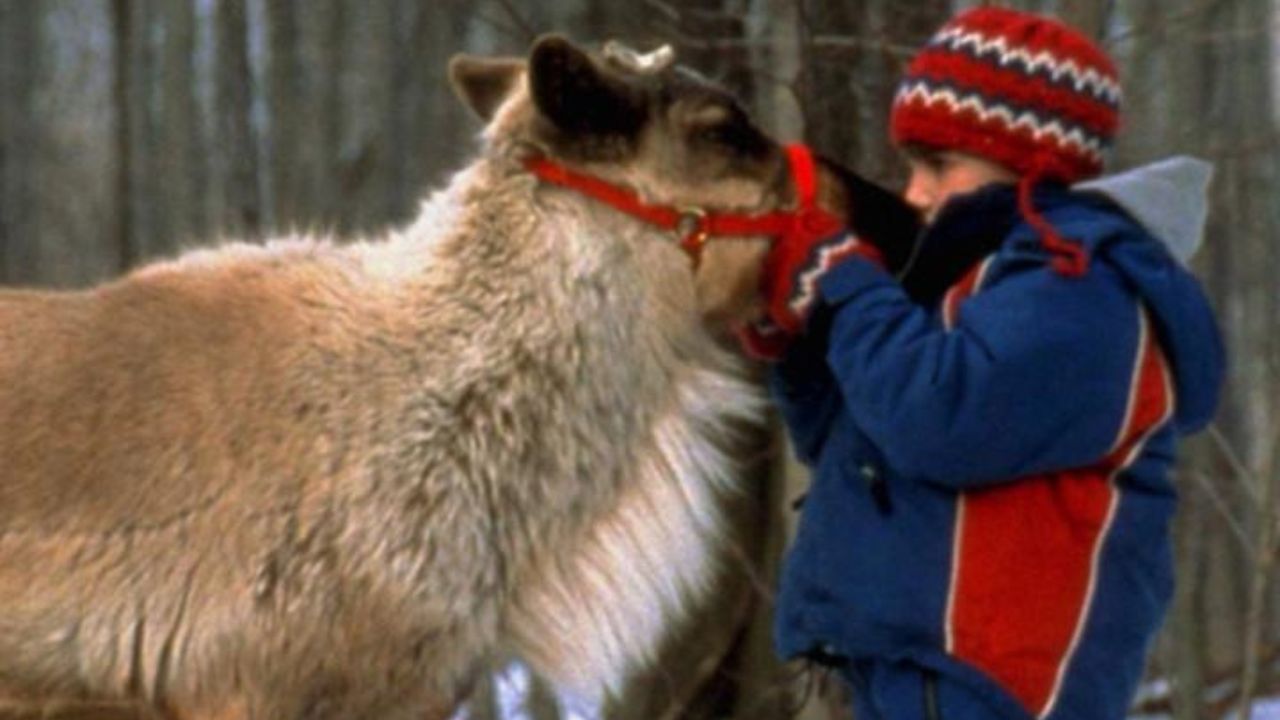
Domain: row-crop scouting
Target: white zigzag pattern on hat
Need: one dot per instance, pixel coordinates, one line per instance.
(1081, 140)
(807, 283)
(1081, 78)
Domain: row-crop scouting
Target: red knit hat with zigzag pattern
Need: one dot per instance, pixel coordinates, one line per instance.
(1023, 90)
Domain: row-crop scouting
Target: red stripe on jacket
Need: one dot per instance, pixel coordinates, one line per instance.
(967, 287)
(1026, 553)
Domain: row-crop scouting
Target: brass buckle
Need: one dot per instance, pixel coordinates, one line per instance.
(691, 229)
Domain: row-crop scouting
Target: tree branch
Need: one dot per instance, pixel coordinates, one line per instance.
(522, 24)
(1224, 510)
(1242, 473)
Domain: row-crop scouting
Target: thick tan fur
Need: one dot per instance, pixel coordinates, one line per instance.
(309, 480)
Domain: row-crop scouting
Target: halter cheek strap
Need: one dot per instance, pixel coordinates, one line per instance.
(809, 221)
(694, 226)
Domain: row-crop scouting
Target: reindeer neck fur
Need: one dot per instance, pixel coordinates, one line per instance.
(599, 415)
(498, 431)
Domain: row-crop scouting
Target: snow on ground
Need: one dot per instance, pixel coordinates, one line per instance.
(1265, 709)
(512, 691)
(1268, 709)
(513, 687)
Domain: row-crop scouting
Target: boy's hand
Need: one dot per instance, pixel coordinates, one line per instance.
(792, 271)
(790, 287)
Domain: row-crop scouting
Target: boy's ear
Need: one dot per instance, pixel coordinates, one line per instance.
(577, 96)
(483, 83)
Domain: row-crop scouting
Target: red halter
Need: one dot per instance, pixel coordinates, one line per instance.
(696, 225)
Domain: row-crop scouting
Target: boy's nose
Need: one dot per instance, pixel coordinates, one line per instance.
(919, 193)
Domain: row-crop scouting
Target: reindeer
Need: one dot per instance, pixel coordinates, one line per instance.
(311, 480)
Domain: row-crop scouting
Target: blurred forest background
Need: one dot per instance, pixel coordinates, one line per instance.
(131, 129)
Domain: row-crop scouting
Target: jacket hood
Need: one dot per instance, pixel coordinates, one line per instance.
(1147, 223)
(1169, 198)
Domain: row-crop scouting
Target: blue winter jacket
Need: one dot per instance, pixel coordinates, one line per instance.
(990, 494)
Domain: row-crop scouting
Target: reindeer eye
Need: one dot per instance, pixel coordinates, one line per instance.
(715, 135)
(726, 128)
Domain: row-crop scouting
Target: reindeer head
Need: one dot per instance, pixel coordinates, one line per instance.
(643, 122)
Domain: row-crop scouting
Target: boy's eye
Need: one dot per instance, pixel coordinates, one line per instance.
(926, 164)
(926, 160)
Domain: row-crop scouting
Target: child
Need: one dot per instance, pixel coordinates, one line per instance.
(987, 532)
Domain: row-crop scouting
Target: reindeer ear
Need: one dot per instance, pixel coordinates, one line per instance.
(483, 83)
(577, 96)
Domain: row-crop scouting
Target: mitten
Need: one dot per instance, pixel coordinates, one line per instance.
(790, 287)
(794, 268)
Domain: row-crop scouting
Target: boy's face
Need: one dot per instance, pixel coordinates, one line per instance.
(936, 175)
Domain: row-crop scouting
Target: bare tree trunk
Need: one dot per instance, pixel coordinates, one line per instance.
(368, 96)
(775, 26)
(313, 123)
(284, 80)
(1202, 90)
(1260, 166)
(407, 73)
(827, 80)
(902, 28)
(176, 199)
(242, 213)
(1186, 628)
(8, 79)
(1143, 52)
(1155, 111)
(332, 62)
(1268, 547)
(1089, 16)
(1240, 142)
(20, 48)
(129, 105)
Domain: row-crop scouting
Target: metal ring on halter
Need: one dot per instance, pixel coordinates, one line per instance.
(693, 221)
(691, 232)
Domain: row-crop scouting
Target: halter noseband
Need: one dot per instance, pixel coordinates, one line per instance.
(694, 226)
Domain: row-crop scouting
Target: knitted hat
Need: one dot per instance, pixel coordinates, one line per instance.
(1022, 90)
(1025, 91)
